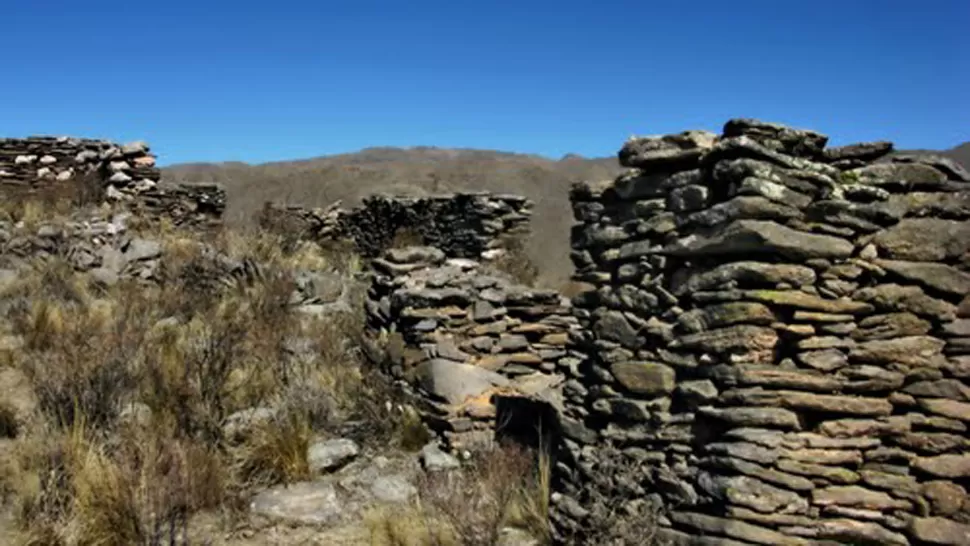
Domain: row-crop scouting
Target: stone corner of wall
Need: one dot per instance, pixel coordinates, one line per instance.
(779, 341)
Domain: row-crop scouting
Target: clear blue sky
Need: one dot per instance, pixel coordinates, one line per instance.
(259, 81)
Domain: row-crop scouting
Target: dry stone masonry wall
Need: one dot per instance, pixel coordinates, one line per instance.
(33, 164)
(774, 347)
(461, 336)
(126, 174)
(196, 206)
(780, 344)
(464, 225)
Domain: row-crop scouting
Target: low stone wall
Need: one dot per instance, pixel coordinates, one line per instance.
(198, 206)
(780, 345)
(463, 225)
(459, 335)
(95, 171)
(36, 164)
(303, 224)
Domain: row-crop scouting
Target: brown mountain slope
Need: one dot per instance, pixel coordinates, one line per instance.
(424, 170)
(960, 154)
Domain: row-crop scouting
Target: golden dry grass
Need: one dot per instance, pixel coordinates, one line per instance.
(516, 263)
(505, 487)
(189, 355)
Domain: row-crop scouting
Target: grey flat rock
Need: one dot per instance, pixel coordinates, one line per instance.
(142, 249)
(455, 382)
(433, 459)
(329, 455)
(306, 502)
(343, 497)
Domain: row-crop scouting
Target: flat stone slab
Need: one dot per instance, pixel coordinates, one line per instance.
(340, 498)
(308, 503)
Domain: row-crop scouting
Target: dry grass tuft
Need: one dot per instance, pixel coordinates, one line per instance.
(529, 506)
(475, 502)
(410, 526)
(52, 200)
(621, 512)
(276, 452)
(406, 237)
(516, 263)
(471, 506)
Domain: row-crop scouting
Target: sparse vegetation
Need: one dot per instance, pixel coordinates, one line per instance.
(516, 262)
(622, 514)
(503, 488)
(134, 383)
(54, 199)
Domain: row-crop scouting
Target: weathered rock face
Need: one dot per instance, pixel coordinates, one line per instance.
(461, 337)
(463, 225)
(777, 340)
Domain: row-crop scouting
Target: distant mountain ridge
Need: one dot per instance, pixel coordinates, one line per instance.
(423, 170)
(960, 154)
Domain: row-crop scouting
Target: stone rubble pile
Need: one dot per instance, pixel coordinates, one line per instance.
(474, 225)
(779, 340)
(100, 245)
(106, 248)
(460, 335)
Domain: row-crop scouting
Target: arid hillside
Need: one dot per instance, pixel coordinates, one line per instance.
(424, 170)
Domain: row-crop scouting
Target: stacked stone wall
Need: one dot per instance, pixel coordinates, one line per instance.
(90, 171)
(461, 337)
(195, 206)
(36, 164)
(779, 341)
(463, 225)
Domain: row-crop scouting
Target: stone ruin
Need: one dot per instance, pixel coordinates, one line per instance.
(773, 347)
(779, 341)
(97, 170)
(477, 225)
(464, 337)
